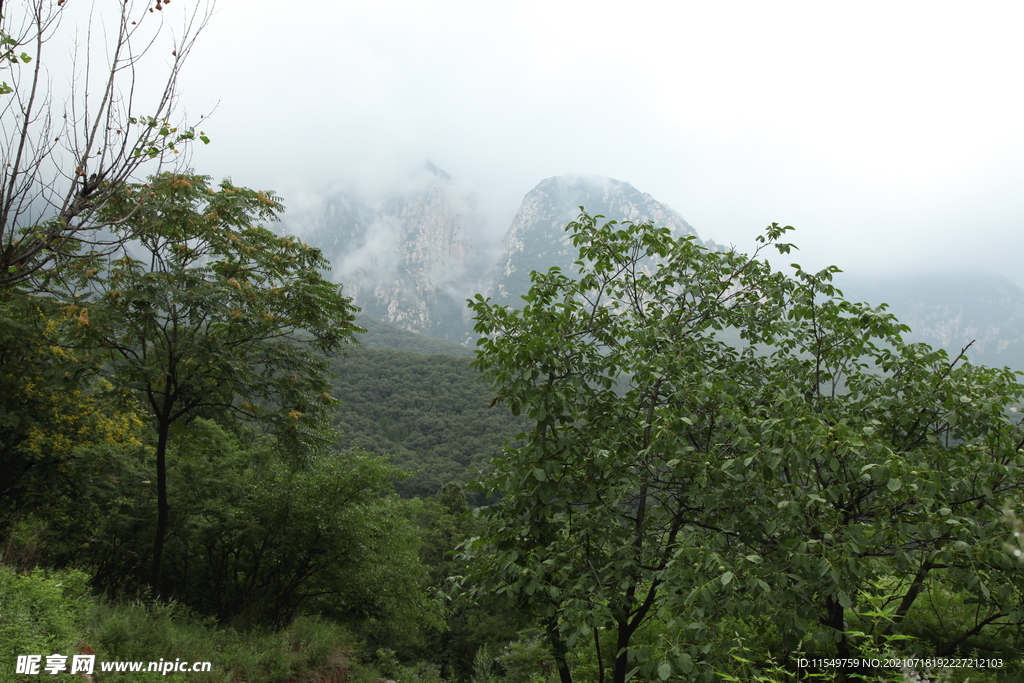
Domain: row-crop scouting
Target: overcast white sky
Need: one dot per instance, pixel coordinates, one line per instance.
(890, 134)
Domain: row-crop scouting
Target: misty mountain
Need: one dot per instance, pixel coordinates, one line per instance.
(952, 310)
(537, 239)
(405, 255)
(410, 256)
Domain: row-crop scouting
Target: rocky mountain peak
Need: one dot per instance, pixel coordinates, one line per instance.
(537, 240)
(429, 165)
(404, 254)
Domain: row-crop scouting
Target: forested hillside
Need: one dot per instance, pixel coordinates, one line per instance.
(381, 335)
(429, 414)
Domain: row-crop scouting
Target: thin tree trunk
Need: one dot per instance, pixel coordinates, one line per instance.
(162, 507)
(621, 653)
(837, 620)
(560, 651)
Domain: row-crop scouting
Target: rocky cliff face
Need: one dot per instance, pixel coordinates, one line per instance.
(405, 256)
(537, 239)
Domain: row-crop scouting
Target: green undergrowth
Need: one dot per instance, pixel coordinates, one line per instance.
(46, 613)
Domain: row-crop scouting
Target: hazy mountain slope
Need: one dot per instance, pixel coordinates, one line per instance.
(951, 310)
(382, 335)
(405, 255)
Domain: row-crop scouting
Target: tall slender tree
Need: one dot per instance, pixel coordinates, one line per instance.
(219, 318)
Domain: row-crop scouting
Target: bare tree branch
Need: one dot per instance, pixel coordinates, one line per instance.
(67, 149)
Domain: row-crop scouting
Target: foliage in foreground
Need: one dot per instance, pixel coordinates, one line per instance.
(256, 540)
(215, 319)
(62, 427)
(818, 484)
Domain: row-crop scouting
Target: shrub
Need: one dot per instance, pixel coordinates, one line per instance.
(41, 613)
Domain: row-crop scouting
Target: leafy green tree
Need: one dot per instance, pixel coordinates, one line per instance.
(220, 318)
(473, 625)
(786, 478)
(592, 513)
(871, 473)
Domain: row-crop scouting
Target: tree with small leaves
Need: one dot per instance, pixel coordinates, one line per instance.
(220, 318)
(61, 423)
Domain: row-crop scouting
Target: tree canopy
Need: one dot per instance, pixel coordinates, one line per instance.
(714, 440)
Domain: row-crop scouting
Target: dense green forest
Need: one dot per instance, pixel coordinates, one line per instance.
(674, 464)
(429, 414)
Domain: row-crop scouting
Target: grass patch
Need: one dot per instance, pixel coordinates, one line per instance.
(44, 613)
